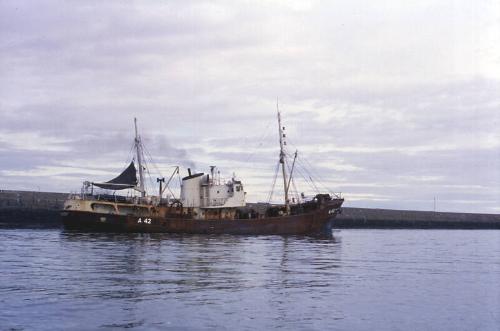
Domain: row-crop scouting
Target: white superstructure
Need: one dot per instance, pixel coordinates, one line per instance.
(209, 192)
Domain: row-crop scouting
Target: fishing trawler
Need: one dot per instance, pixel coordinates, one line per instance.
(206, 204)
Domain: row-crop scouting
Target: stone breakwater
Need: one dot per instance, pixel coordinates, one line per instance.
(33, 209)
(407, 219)
(30, 209)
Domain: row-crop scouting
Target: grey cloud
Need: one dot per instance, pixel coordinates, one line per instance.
(371, 94)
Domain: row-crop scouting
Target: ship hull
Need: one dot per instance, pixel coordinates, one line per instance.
(316, 222)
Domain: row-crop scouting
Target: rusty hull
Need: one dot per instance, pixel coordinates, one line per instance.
(316, 222)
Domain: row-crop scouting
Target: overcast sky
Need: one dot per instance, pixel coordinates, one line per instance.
(391, 103)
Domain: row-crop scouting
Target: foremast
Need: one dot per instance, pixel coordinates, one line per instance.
(138, 149)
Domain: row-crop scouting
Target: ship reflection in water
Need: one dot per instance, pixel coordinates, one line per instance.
(359, 279)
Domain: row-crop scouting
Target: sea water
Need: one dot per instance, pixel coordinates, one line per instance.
(358, 280)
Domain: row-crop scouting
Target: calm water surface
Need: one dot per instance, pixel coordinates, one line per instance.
(360, 280)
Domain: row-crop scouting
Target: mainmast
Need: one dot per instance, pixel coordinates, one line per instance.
(282, 160)
(138, 149)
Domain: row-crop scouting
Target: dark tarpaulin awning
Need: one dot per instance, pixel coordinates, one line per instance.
(127, 179)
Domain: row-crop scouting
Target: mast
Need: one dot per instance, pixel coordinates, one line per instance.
(139, 159)
(282, 160)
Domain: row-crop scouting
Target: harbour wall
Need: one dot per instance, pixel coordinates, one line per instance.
(408, 219)
(31, 209)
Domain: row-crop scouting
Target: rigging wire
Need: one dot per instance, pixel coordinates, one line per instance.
(307, 179)
(319, 179)
(260, 140)
(292, 180)
(130, 152)
(270, 196)
(145, 165)
(308, 174)
(148, 154)
(312, 173)
(291, 192)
